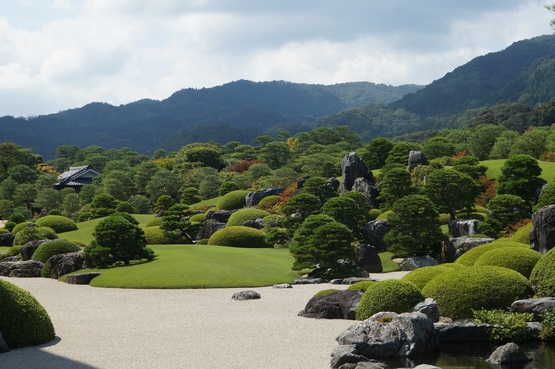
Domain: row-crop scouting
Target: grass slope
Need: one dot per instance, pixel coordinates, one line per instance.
(494, 169)
(196, 266)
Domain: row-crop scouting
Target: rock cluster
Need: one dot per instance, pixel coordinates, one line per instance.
(22, 269)
(253, 198)
(337, 305)
(542, 237)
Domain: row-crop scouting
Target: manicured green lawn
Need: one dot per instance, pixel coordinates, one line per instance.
(201, 266)
(494, 169)
(387, 264)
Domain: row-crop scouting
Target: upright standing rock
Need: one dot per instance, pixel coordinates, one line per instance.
(542, 237)
(352, 168)
(417, 158)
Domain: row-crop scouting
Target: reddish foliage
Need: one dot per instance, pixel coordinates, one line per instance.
(459, 155)
(488, 191)
(243, 165)
(512, 228)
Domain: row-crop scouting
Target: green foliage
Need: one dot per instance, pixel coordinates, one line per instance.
(395, 184)
(239, 236)
(507, 326)
(319, 187)
(58, 223)
(548, 326)
(227, 187)
(19, 226)
(389, 295)
(164, 202)
(543, 275)
(504, 210)
(272, 221)
(13, 251)
(522, 235)
(24, 322)
(345, 210)
(154, 222)
(519, 259)
(16, 218)
(472, 288)
(9, 225)
(190, 195)
(177, 226)
(376, 151)
(33, 233)
(470, 257)
(278, 238)
(54, 247)
(239, 217)
(155, 236)
(520, 176)
(361, 286)
(326, 292)
(197, 218)
(269, 202)
(103, 204)
(421, 276)
(232, 200)
(125, 207)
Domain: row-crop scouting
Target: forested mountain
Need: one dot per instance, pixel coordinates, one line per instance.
(238, 110)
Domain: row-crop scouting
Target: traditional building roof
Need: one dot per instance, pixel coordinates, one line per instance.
(76, 177)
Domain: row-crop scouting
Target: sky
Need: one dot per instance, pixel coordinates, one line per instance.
(62, 54)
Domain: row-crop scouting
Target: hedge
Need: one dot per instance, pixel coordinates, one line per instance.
(389, 295)
(57, 222)
(33, 233)
(232, 200)
(470, 257)
(241, 216)
(519, 259)
(478, 287)
(55, 247)
(421, 276)
(543, 275)
(19, 226)
(238, 236)
(24, 322)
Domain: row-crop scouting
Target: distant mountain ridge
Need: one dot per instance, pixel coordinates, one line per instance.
(239, 110)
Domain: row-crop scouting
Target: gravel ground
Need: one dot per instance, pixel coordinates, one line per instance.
(132, 329)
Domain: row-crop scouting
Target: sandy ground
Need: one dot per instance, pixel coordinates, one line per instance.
(203, 329)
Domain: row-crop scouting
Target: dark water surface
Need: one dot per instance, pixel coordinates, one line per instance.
(473, 356)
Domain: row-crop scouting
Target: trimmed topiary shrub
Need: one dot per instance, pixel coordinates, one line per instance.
(384, 215)
(155, 236)
(232, 200)
(238, 236)
(390, 295)
(198, 218)
(19, 226)
(479, 287)
(519, 259)
(326, 292)
(24, 322)
(57, 222)
(241, 216)
(55, 247)
(268, 202)
(13, 251)
(543, 275)
(16, 218)
(156, 222)
(362, 285)
(33, 233)
(421, 276)
(470, 257)
(522, 235)
(272, 221)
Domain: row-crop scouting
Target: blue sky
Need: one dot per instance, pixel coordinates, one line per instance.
(62, 54)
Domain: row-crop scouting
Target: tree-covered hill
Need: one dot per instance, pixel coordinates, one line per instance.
(238, 110)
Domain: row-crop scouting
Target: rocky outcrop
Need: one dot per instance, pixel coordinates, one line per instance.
(428, 307)
(463, 227)
(366, 365)
(253, 198)
(309, 281)
(22, 269)
(208, 229)
(374, 233)
(29, 249)
(65, 263)
(352, 167)
(82, 278)
(365, 187)
(455, 247)
(220, 216)
(333, 183)
(462, 332)
(416, 262)
(542, 237)
(508, 354)
(6, 239)
(257, 223)
(337, 305)
(246, 295)
(368, 259)
(535, 306)
(390, 335)
(417, 158)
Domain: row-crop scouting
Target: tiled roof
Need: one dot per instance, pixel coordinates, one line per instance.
(71, 177)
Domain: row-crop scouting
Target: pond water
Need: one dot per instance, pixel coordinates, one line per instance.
(473, 356)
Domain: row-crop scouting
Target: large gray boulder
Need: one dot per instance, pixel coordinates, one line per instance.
(416, 158)
(374, 233)
(352, 167)
(366, 187)
(27, 250)
(535, 306)
(208, 229)
(507, 354)
(337, 305)
(22, 269)
(220, 216)
(368, 259)
(462, 332)
(246, 295)
(6, 239)
(82, 278)
(455, 247)
(428, 307)
(416, 262)
(65, 263)
(542, 237)
(253, 198)
(463, 227)
(392, 335)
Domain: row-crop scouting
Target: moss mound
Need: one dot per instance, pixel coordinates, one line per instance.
(519, 259)
(522, 235)
(155, 236)
(241, 216)
(421, 276)
(24, 322)
(55, 247)
(19, 226)
(33, 233)
(269, 202)
(57, 222)
(543, 275)
(389, 295)
(239, 236)
(198, 218)
(156, 222)
(470, 257)
(473, 288)
(360, 286)
(232, 200)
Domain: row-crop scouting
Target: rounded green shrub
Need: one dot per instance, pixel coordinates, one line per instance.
(390, 295)
(24, 322)
(326, 292)
(373, 214)
(55, 247)
(33, 233)
(232, 200)
(543, 275)
(16, 218)
(362, 285)
(198, 218)
(156, 222)
(384, 215)
(241, 216)
(19, 226)
(478, 287)
(269, 202)
(470, 257)
(57, 222)
(421, 276)
(9, 225)
(13, 251)
(272, 221)
(238, 236)
(522, 235)
(79, 243)
(155, 236)
(519, 259)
